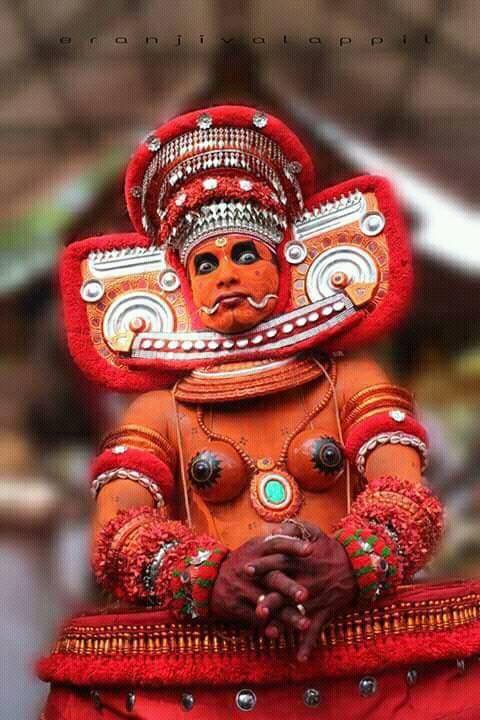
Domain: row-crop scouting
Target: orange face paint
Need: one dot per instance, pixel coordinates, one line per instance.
(234, 280)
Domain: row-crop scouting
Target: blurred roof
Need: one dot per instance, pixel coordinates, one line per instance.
(407, 105)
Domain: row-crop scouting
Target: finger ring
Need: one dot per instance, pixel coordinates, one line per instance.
(279, 535)
(301, 609)
(260, 599)
(305, 532)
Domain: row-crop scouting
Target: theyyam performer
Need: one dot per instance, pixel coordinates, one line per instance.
(261, 509)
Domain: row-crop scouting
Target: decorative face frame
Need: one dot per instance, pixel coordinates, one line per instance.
(344, 278)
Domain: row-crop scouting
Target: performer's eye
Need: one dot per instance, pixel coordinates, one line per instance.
(244, 253)
(205, 263)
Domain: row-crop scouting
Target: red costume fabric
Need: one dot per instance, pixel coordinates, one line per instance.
(417, 645)
(433, 697)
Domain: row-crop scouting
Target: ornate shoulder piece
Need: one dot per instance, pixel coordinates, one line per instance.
(342, 253)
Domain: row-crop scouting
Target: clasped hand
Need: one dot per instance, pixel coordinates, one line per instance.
(284, 581)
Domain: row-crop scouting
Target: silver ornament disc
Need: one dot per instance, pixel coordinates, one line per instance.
(295, 253)
(355, 262)
(260, 120)
(92, 291)
(245, 700)
(372, 223)
(204, 122)
(367, 686)
(127, 310)
(169, 280)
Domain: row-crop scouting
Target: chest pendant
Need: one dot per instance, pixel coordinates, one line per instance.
(274, 493)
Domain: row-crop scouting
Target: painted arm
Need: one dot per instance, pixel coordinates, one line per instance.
(395, 522)
(140, 552)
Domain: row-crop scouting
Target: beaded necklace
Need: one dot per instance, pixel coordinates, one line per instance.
(274, 493)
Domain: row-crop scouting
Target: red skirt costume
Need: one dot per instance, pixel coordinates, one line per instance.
(233, 433)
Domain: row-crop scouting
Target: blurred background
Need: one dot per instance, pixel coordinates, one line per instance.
(372, 86)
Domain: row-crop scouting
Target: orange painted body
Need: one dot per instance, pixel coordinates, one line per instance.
(259, 426)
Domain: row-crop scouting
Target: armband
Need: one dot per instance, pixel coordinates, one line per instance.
(394, 427)
(142, 438)
(379, 415)
(141, 466)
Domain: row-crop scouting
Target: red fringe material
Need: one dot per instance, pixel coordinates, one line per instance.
(380, 653)
(120, 571)
(165, 670)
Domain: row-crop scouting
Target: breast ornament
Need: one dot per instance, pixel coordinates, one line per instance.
(316, 460)
(274, 493)
(217, 472)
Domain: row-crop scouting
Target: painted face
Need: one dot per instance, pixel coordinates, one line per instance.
(234, 280)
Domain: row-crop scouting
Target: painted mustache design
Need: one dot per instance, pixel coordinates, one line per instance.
(261, 304)
(258, 305)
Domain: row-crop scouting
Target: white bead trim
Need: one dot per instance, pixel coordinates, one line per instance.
(281, 331)
(390, 438)
(126, 474)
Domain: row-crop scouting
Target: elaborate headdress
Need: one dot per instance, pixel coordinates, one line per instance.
(344, 260)
(228, 168)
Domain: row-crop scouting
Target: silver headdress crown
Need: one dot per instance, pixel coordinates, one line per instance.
(228, 216)
(225, 142)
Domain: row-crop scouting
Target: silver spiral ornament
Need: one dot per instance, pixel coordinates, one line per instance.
(355, 263)
(143, 310)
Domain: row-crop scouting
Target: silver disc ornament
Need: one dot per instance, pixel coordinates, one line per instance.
(353, 263)
(137, 312)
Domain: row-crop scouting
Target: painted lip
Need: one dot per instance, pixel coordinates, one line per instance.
(231, 299)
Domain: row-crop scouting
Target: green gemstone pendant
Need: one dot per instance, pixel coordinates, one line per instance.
(275, 495)
(275, 492)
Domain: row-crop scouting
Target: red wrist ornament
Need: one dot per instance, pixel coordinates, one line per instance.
(374, 563)
(410, 514)
(144, 558)
(405, 514)
(192, 580)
